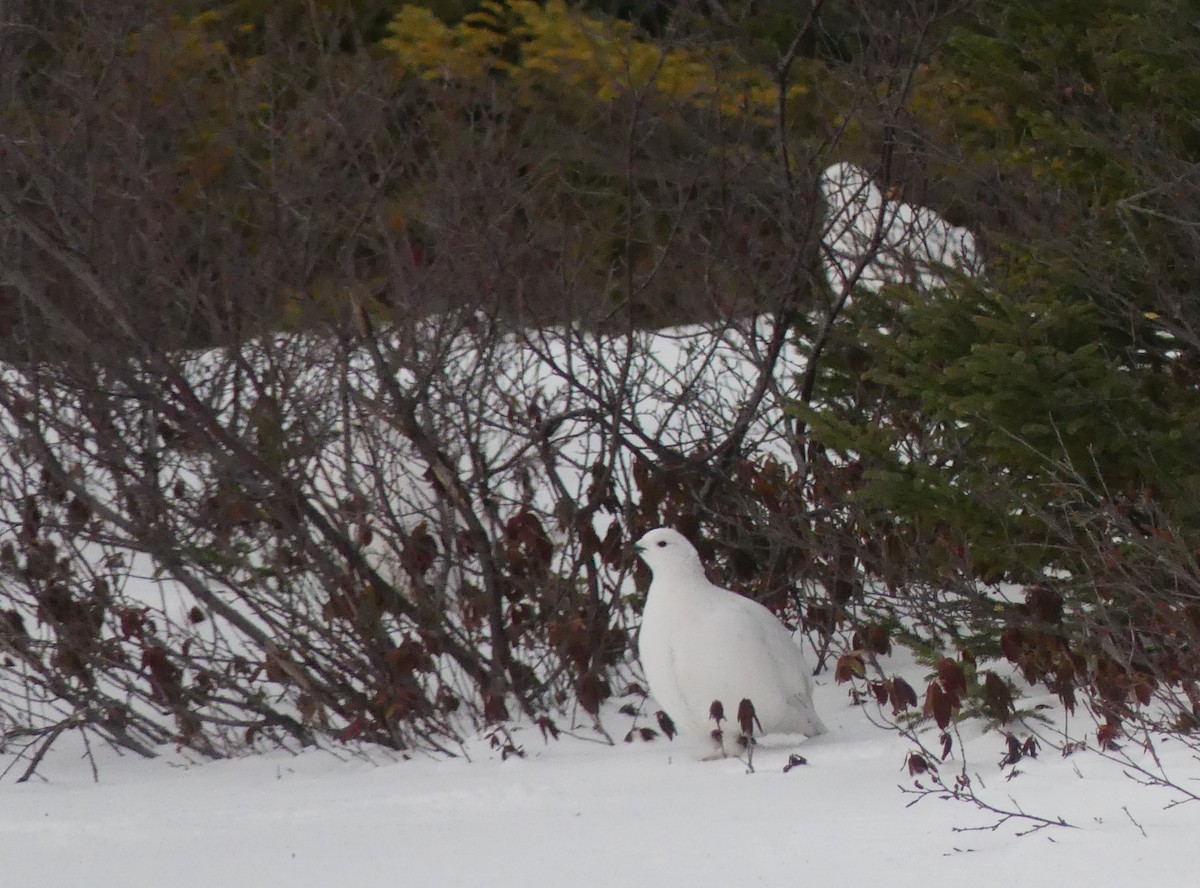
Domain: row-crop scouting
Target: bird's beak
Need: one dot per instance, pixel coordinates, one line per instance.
(635, 554)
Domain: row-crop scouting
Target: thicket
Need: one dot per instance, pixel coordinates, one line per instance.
(330, 325)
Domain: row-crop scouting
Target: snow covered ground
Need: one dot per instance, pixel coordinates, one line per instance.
(575, 812)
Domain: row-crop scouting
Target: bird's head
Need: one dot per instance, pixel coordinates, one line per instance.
(667, 551)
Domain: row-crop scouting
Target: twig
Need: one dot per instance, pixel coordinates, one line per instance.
(53, 734)
(1134, 822)
(87, 751)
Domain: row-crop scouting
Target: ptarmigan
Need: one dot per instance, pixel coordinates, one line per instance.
(700, 643)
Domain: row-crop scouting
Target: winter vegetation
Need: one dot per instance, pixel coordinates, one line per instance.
(347, 347)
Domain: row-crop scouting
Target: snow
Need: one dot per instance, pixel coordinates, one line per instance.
(574, 812)
(895, 241)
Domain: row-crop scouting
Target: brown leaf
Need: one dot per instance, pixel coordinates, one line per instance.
(410, 656)
(593, 690)
(611, 549)
(589, 542)
(1107, 735)
(1143, 686)
(902, 695)
(1044, 604)
(306, 705)
(494, 707)
(716, 712)
(918, 764)
(874, 639)
(1011, 644)
(352, 730)
(747, 718)
(164, 675)
(527, 547)
(795, 760)
(419, 551)
(849, 665)
(938, 705)
(1013, 753)
(953, 679)
(668, 726)
(548, 728)
(12, 625)
(78, 513)
(997, 698)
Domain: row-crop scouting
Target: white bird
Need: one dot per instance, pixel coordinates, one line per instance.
(700, 643)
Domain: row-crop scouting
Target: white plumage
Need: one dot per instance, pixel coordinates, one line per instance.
(700, 643)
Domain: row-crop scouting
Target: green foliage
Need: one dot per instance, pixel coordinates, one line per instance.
(1038, 421)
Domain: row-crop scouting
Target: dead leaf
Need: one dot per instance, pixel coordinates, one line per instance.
(716, 712)
(668, 726)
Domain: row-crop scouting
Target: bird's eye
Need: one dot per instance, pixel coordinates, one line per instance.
(662, 544)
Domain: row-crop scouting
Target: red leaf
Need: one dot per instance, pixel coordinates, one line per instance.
(918, 764)
(747, 718)
(593, 690)
(937, 704)
(953, 679)
(902, 695)
(716, 712)
(352, 730)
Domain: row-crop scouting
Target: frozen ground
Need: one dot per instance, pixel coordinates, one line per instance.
(576, 813)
